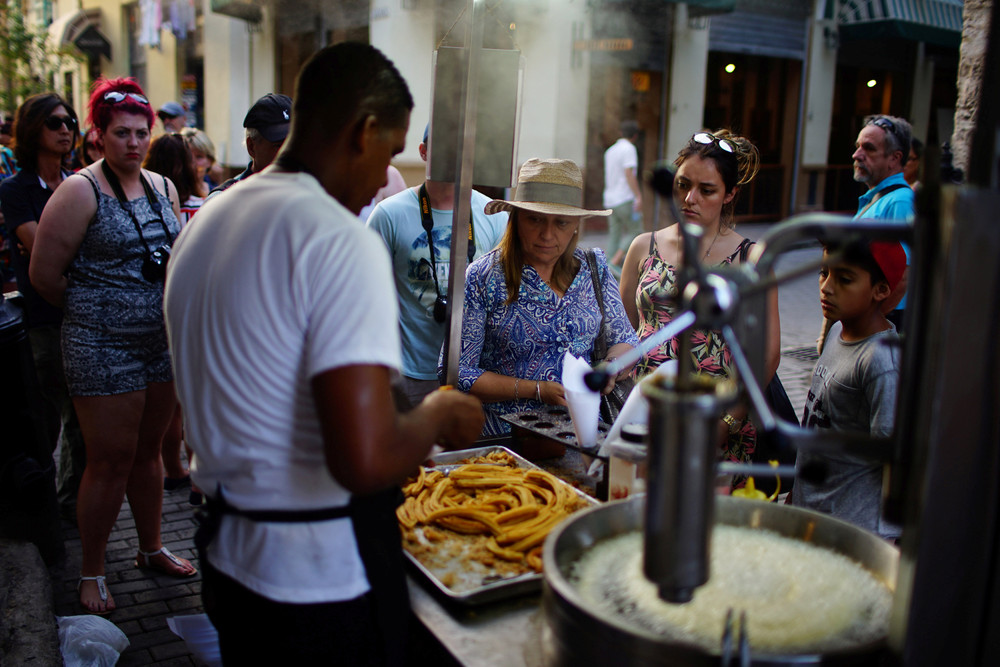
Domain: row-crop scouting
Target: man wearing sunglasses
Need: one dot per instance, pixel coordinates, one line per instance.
(881, 151)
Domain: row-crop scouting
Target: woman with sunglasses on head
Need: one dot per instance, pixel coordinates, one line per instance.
(711, 169)
(45, 132)
(100, 253)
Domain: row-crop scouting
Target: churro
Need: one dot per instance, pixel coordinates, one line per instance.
(504, 512)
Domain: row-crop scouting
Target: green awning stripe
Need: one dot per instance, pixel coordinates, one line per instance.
(915, 17)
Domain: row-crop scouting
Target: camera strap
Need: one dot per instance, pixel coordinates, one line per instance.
(126, 205)
(427, 219)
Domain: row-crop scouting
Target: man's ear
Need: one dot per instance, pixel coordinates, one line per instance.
(251, 148)
(365, 131)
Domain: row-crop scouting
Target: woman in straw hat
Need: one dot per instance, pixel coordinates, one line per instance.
(711, 169)
(532, 299)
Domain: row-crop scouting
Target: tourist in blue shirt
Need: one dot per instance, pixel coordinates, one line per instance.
(532, 299)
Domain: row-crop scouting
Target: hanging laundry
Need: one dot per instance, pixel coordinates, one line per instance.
(150, 13)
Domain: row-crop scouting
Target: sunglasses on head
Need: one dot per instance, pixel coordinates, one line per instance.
(706, 138)
(55, 122)
(886, 125)
(116, 97)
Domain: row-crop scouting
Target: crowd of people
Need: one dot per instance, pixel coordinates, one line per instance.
(307, 392)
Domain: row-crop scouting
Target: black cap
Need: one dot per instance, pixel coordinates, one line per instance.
(270, 116)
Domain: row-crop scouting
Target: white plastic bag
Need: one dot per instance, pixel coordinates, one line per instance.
(200, 636)
(90, 641)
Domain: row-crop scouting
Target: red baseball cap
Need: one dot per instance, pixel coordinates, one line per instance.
(891, 258)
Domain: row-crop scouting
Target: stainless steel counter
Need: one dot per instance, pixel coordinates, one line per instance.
(500, 634)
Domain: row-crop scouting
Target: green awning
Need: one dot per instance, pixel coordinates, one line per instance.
(706, 7)
(932, 21)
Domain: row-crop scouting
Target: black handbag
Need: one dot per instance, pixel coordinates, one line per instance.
(612, 402)
(777, 399)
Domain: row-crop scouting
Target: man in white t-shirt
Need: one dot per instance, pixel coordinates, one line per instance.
(622, 193)
(284, 377)
(422, 280)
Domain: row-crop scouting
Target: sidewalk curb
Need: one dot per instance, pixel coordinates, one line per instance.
(28, 630)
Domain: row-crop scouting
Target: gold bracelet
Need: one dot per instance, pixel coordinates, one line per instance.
(517, 381)
(733, 424)
(538, 392)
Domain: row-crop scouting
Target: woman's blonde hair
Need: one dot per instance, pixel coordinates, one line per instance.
(737, 167)
(199, 141)
(511, 258)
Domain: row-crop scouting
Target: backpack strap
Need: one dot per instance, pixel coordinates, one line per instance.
(879, 195)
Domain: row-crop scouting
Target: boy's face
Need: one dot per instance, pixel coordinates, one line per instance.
(846, 291)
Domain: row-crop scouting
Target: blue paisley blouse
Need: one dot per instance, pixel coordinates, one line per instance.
(527, 338)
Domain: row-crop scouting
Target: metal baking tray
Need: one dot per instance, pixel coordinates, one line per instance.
(553, 423)
(492, 591)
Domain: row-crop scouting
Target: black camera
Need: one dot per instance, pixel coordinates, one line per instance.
(440, 309)
(154, 267)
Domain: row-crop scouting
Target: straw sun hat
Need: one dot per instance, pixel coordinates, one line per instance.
(550, 187)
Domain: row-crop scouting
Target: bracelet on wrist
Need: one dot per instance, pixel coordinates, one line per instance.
(538, 392)
(734, 424)
(517, 381)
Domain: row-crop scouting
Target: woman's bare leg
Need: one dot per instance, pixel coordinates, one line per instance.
(110, 425)
(145, 482)
(171, 449)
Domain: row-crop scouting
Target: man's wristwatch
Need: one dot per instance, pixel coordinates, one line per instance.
(733, 424)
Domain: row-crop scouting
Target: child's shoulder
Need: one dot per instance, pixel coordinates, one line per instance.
(879, 353)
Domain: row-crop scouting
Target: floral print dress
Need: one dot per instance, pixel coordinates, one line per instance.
(655, 297)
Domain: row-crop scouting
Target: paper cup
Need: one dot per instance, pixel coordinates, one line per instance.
(584, 408)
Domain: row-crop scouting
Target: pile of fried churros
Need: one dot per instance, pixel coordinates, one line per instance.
(513, 508)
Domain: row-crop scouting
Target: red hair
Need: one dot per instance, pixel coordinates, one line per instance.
(102, 109)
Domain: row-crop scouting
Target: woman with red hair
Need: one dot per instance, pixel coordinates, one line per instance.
(100, 253)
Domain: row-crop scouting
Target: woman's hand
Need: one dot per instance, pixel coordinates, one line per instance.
(551, 392)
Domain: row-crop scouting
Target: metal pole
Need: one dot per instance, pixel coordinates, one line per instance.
(465, 159)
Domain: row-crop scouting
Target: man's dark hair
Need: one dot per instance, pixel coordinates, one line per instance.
(859, 255)
(629, 128)
(342, 84)
(898, 133)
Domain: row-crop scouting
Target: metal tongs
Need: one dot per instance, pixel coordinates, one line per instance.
(743, 649)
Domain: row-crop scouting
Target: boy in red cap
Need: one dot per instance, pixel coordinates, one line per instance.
(854, 383)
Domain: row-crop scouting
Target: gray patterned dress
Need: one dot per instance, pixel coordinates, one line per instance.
(113, 335)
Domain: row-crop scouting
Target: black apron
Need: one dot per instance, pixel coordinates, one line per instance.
(376, 531)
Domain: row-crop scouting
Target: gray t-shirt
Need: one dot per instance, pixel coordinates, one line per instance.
(853, 388)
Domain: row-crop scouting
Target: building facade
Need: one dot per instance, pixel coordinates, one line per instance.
(795, 76)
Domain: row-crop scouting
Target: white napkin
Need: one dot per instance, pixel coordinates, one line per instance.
(635, 411)
(584, 404)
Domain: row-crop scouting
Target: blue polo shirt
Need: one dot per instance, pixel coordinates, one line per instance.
(896, 205)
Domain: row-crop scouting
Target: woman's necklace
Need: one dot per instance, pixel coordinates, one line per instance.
(712, 244)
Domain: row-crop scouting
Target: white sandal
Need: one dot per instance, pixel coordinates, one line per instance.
(148, 564)
(102, 591)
